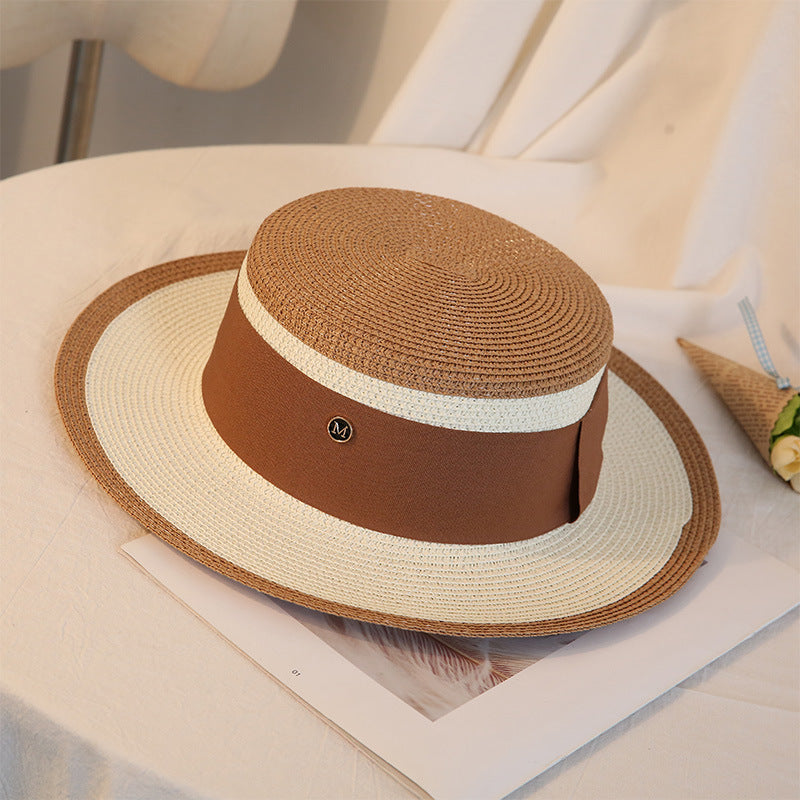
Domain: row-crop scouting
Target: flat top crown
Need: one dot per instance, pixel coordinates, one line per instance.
(430, 293)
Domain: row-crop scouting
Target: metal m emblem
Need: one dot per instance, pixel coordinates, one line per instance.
(339, 429)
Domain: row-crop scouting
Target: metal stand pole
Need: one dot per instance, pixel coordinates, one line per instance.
(79, 98)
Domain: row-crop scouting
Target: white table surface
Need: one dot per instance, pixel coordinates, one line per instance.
(110, 688)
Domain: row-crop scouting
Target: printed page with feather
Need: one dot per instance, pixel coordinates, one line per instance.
(480, 717)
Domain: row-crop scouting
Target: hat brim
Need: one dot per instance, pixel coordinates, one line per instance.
(128, 386)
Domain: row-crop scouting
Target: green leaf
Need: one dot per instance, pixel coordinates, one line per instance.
(788, 421)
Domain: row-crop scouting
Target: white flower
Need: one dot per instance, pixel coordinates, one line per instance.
(785, 457)
(795, 482)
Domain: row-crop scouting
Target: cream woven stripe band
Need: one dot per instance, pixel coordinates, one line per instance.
(514, 415)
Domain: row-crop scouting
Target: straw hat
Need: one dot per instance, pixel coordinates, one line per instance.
(397, 408)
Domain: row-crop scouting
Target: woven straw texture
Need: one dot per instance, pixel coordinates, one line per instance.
(127, 383)
(752, 397)
(430, 294)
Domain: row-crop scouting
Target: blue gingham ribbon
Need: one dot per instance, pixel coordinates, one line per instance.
(759, 345)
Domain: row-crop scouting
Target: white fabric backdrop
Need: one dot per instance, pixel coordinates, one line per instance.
(657, 144)
(204, 45)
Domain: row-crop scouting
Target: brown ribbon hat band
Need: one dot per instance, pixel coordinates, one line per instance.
(395, 475)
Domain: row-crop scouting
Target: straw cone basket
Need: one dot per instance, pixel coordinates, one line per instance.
(752, 397)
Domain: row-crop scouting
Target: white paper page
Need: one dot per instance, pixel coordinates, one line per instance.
(478, 718)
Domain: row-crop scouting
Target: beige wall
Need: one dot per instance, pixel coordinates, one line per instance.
(342, 61)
